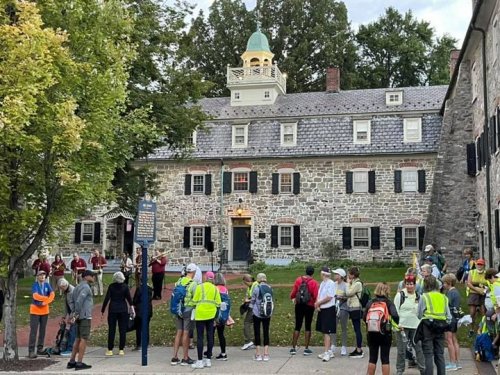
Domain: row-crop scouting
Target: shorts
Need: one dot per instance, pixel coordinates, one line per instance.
(83, 329)
(475, 299)
(303, 312)
(327, 320)
(185, 323)
(454, 326)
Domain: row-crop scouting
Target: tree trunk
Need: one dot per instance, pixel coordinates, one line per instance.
(10, 335)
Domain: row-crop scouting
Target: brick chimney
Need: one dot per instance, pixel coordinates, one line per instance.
(453, 60)
(332, 79)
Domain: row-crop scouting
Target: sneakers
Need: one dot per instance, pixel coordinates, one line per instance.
(121, 352)
(175, 361)
(308, 351)
(459, 366)
(186, 362)
(265, 358)
(293, 351)
(356, 354)
(257, 358)
(197, 365)
(221, 357)
(333, 349)
(247, 346)
(451, 367)
(207, 362)
(82, 366)
(32, 355)
(71, 365)
(65, 353)
(326, 357)
(343, 351)
(108, 353)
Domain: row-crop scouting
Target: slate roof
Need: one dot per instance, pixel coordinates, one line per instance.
(324, 126)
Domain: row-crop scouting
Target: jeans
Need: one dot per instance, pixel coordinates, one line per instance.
(201, 326)
(400, 362)
(37, 322)
(433, 348)
(71, 337)
(265, 328)
(248, 326)
(122, 319)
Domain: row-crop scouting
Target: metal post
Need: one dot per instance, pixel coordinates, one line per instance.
(144, 304)
(221, 218)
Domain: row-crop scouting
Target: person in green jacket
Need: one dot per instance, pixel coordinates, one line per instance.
(206, 299)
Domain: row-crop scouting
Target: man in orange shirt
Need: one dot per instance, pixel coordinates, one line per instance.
(42, 296)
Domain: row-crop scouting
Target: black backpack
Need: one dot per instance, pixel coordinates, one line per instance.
(403, 297)
(303, 295)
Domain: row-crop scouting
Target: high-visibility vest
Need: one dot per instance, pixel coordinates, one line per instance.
(435, 306)
(251, 288)
(492, 292)
(207, 299)
(477, 278)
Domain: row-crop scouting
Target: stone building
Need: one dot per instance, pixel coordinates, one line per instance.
(277, 177)
(466, 194)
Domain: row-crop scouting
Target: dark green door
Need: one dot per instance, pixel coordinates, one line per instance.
(241, 243)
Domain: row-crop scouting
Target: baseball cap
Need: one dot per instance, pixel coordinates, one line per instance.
(340, 271)
(88, 273)
(428, 258)
(325, 269)
(480, 261)
(429, 248)
(210, 275)
(191, 267)
(41, 272)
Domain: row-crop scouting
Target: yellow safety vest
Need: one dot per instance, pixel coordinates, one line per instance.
(435, 306)
(251, 288)
(492, 292)
(191, 287)
(477, 278)
(207, 299)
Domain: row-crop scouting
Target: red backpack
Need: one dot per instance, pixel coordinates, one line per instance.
(377, 317)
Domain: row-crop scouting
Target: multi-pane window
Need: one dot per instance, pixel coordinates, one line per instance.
(236, 95)
(361, 131)
(267, 94)
(285, 183)
(240, 135)
(240, 181)
(289, 134)
(412, 130)
(360, 237)
(360, 181)
(191, 140)
(410, 238)
(197, 236)
(394, 98)
(285, 236)
(88, 232)
(409, 180)
(198, 184)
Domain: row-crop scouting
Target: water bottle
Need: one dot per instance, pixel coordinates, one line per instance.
(223, 306)
(403, 336)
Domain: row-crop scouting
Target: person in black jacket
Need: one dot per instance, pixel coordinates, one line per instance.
(137, 303)
(118, 295)
(383, 338)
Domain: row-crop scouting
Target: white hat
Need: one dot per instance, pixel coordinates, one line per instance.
(497, 275)
(340, 271)
(191, 267)
(429, 248)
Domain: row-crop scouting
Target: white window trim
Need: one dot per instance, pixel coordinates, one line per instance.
(193, 174)
(394, 92)
(294, 128)
(404, 237)
(240, 170)
(291, 183)
(93, 231)
(403, 171)
(194, 135)
(406, 123)
(360, 170)
(245, 144)
(291, 236)
(475, 81)
(191, 237)
(359, 123)
(496, 39)
(369, 237)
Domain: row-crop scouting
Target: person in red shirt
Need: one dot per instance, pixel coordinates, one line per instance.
(78, 266)
(304, 307)
(158, 263)
(41, 264)
(57, 271)
(98, 263)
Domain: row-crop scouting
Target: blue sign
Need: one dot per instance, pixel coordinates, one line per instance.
(145, 224)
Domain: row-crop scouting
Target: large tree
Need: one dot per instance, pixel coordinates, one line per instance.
(62, 95)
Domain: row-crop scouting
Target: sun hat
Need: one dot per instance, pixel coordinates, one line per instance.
(340, 271)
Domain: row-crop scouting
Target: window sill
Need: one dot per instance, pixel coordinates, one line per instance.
(288, 145)
(239, 146)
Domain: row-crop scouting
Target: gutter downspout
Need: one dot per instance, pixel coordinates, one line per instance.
(486, 136)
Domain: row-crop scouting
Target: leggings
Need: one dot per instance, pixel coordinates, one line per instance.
(157, 279)
(376, 341)
(342, 318)
(356, 324)
(201, 326)
(122, 319)
(265, 328)
(222, 338)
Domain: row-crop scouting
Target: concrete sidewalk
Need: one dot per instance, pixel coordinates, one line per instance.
(239, 362)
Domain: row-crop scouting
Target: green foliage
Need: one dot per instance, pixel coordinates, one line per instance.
(330, 250)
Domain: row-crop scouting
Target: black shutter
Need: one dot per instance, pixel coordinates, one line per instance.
(296, 183)
(375, 234)
(187, 239)
(421, 235)
(497, 228)
(208, 184)
(296, 236)
(346, 237)
(78, 232)
(497, 122)
(274, 236)
(471, 159)
(398, 238)
(371, 182)
(479, 153)
(275, 189)
(421, 181)
(348, 182)
(253, 182)
(484, 149)
(397, 182)
(493, 134)
(97, 232)
(187, 184)
(227, 180)
(208, 236)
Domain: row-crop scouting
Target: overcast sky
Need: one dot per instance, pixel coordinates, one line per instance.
(446, 16)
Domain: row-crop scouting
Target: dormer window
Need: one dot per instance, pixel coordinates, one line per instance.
(192, 139)
(236, 95)
(289, 134)
(361, 131)
(394, 98)
(240, 136)
(412, 130)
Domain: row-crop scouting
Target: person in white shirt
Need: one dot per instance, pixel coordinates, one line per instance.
(326, 322)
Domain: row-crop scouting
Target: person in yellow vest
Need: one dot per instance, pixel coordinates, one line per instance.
(206, 299)
(251, 284)
(435, 316)
(476, 284)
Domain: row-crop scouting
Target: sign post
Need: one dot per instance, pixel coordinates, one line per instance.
(145, 234)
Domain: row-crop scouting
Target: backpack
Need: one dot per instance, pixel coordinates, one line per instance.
(62, 337)
(483, 348)
(377, 317)
(223, 314)
(177, 299)
(266, 301)
(303, 295)
(403, 297)
(365, 296)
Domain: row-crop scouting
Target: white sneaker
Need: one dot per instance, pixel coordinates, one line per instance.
(326, 357)
(247, 346)
(207, 362)
(257, 358)
(320, 355)
(197, 364)
(343, 351)
(333, 349)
